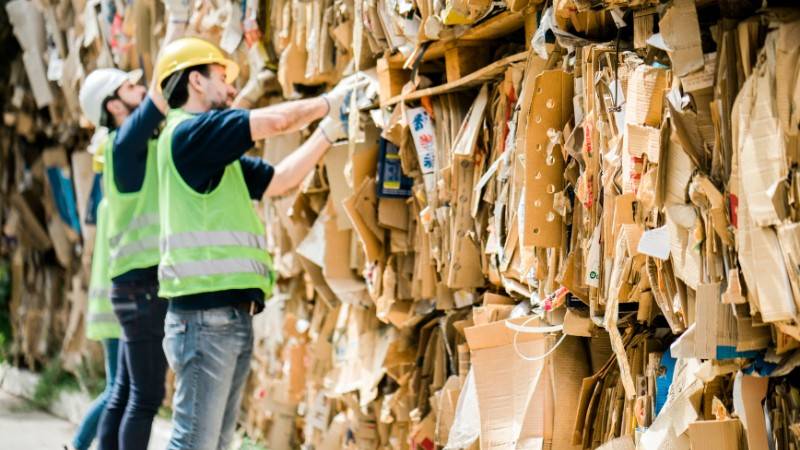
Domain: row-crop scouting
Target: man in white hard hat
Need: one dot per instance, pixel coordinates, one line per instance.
(114, 99)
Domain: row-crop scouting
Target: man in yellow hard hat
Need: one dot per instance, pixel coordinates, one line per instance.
(214, 266)
(114, 99)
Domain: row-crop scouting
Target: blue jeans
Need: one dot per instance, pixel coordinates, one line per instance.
(87, 430)
(139, 389)
(209, 351)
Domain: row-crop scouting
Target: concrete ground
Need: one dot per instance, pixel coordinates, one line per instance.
(22, 427)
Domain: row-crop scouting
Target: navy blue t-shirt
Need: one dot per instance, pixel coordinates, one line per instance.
(130, 162)
(202, 147)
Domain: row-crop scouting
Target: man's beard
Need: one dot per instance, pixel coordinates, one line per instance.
(129, 106)
(220, 104)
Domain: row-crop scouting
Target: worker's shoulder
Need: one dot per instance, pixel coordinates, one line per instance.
(140, 125)
(216, 117)
(216, 121)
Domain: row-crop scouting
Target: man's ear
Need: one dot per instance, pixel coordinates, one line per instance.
(196, 80)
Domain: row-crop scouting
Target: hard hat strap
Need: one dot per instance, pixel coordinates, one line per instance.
(172, 82)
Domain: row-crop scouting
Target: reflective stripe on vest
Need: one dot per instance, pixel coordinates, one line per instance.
(100, 293)
(98, 318)
(136, 224)
(133, 225)
(213, 267)
(210, 241)
(144, 244)
(196, 239)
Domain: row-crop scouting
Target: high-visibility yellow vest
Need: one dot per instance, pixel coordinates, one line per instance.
(133, 216)
(101, 322)
(211, 241)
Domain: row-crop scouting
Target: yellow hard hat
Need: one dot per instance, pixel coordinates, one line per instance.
(189, 52)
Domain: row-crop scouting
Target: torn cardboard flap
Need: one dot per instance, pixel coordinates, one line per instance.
(680, 30)
(748, 393)
(464, 142)
(361, 208)
(645, 96)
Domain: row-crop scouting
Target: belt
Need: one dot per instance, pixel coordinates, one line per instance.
(128, 290)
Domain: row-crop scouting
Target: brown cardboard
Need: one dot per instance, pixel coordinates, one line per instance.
(544, 407)
(363, 202)
(336, 268)
(373, 294)
(716, 434)
(703, 79)
(464, 142)
(544, 163)
(578, 324)
(393, 213)
(490, 298)
(707, 321)
(645, 96)
(789, 239)
(643, 140)
(392, 78)
(761, 257)
(748, 393)
(680, 30)
(448, 400)
(335, 165)
(622, 443)
(464, 268)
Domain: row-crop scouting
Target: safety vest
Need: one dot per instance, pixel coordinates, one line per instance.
(210, 241)
(101, 322)
(133, 216)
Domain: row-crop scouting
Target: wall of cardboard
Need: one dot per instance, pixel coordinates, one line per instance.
(569, 224)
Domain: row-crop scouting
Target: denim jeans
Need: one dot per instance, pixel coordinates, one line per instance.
(209, 351)
(139, 390)
(87, 430)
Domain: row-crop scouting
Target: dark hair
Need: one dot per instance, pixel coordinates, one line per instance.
(106, 118)
(180, 90)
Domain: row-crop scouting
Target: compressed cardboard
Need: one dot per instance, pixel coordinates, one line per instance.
(671, 194)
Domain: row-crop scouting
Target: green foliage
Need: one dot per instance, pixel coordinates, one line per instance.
(54, 379)
(248, 444)
(91, 376)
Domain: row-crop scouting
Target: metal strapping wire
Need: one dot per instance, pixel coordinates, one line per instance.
(615, 94)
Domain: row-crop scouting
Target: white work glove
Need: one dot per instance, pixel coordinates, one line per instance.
(178, 10)
(257, 86)
(333, 129)
(337, 96)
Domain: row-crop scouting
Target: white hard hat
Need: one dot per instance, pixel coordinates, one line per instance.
(101, 84)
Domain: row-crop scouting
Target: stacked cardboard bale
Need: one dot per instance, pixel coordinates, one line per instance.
(540, 234)
(565, 225)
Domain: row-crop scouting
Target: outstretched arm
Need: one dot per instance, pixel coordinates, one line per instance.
(285, 117)
(295, 167)
(177, 18)
(296, 115)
